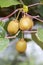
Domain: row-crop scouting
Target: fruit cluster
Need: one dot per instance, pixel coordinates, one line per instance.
(25, 23)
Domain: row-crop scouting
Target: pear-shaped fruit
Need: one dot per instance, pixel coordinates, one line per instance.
(21, 46)
(26, 23)
(13, 27)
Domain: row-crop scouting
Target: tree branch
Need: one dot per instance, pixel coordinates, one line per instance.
(35, 4)
(34, 17)
(29, 32)
(11, 13)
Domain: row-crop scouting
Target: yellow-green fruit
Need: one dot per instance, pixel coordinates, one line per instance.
(26, 23)
(13, 27)
(21, 46)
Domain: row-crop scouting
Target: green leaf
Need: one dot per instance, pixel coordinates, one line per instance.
(7, 3)
(3, 43)
(40, 10)
(6, 24)
(20, 34)
(2, 23)
(40, 34)
(27, 2)
(41, 1)
(34, 38)
(2, 32)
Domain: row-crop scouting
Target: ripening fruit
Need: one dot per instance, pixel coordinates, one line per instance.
(21, 46)
(26, 23)
(13, 27)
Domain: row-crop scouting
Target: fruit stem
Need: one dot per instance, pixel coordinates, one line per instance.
(21, 2)
(22, 34)
(18, 15)
(35, 4)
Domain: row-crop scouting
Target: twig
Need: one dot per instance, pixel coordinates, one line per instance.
(35, 17)
(35, 4)
(25, 32)
(11, 37)
(29, 32)
(38, 19)
(11, 14)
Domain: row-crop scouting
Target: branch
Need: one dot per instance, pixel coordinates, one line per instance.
(38, 19)
(11, 13)
(35, 4)
(29, 32)
(11, 37)
(35, 17)
(25, 32)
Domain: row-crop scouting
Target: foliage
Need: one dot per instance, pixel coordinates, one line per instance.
(7, 3)
(35, 11)
(3, 43)
(40, 34)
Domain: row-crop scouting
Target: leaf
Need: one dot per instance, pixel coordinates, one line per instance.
(40, 34)
(40, 10)
(7, 3)
(6, 24)
(41, 1)
(3, 43)
(27, 2)
(34, 38)
(2, 23)
(2, 32)
(20, 34)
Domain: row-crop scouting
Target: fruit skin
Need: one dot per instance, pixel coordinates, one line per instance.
(21, 46)
(13, 27)
(26, 23)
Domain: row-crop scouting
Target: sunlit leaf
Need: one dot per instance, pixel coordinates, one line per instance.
(7, 3)
(40, 34)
